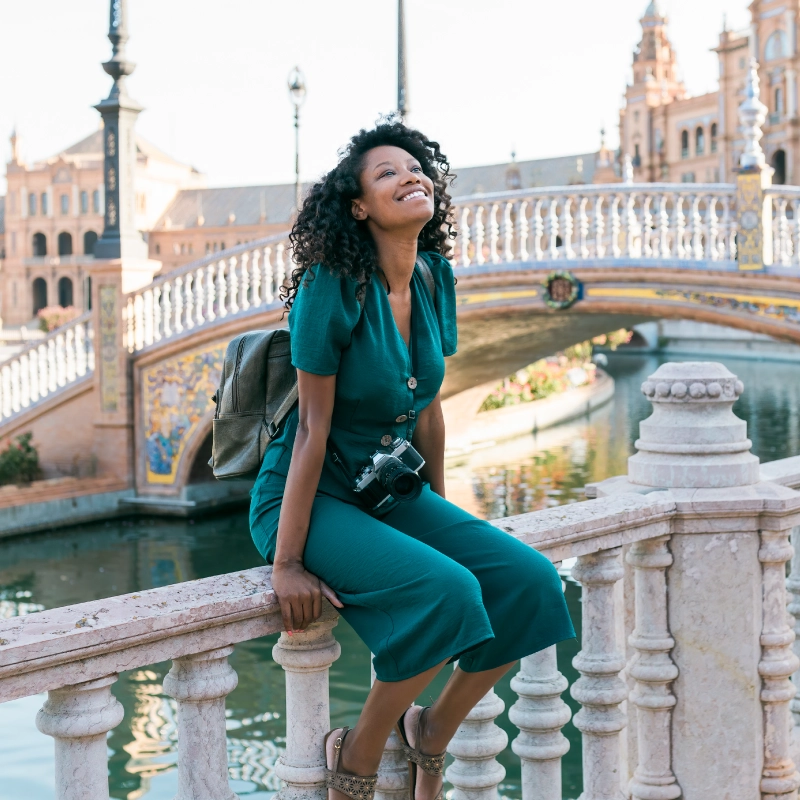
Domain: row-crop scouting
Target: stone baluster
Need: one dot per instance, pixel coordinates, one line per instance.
(211, 292)
(24, 381)
(178, 304)
(127, 321)
(540, 714)
(480, 235)
(616, 250)
(728, 232)
(475, 772)
(61, 359)
(147, 299)
(464, 236)
(552, 228)
(697, 229)
(600, 690)
(508, 232)
(647, 228)
(782, 236)
(167, 308)
(79, 718)
(244, 282)
(583, 228)
(81, 358)
(5, 376)
(157, 316)
(599, 228)
(69, 346)
(16, 399)
(778, 662)
(566, 226)
(654, 671)
(306, 658)
(222, 288)
(795, 260)
(280, 267)
(494, 233)
(632, 233)
(712, 229)
(44, 375)
(138, 322)
(188, 306)
(199, 296)
(538, 231)
(663, 250)
(680, 228)
(255, 271)
(33, 374)
(200, 683)
(793, 590)
(269, 276)
(523, 230)
(52, 365)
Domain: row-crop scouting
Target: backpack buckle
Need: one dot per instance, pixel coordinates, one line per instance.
(272, 429)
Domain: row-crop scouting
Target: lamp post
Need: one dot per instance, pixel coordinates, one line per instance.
(297, 94)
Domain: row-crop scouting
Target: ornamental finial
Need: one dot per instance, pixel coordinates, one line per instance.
(118, 67)
(752, 113)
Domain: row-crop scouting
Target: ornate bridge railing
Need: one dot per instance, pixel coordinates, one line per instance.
(63, 357)
(689, 562)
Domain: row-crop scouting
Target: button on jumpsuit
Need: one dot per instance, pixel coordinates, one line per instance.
(424, 582)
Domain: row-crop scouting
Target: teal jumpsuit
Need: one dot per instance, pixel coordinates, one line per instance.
(424, 582)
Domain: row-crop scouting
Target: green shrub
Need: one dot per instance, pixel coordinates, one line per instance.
(19, 462)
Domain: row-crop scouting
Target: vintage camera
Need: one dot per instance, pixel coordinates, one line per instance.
(391, 476)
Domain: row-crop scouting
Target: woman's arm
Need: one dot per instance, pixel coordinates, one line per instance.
(299, 592)
(429, 441)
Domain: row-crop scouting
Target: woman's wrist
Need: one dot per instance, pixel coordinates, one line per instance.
(287, 562)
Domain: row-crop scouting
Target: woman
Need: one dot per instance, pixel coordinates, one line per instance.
(422, 582)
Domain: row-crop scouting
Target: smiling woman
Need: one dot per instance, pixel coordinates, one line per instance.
(422, 582)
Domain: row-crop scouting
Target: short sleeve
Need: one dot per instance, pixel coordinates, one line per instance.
(445, 300)
(321, 322)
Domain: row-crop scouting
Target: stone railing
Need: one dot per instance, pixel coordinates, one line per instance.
(46, 366)
(785, 202)
(652, 222)
(686, 646)
(236, 281)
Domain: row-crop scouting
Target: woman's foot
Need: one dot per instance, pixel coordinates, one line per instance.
(344, 783)
(428, 787)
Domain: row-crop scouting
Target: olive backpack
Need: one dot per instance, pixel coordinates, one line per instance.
(257, 390)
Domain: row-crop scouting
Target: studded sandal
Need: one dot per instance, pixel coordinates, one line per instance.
(357, 787)
(433, 765)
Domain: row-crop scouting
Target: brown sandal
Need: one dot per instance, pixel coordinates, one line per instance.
(433, 765)
(356, 786)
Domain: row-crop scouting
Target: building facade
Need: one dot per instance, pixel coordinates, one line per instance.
(673, 137)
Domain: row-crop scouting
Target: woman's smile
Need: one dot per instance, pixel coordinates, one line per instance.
(415, 193)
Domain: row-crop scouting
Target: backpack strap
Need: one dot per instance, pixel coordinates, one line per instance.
(427, 276)
(283, 411)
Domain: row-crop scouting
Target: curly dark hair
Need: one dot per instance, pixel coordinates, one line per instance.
(326, 231)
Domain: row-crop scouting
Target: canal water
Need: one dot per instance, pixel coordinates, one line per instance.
(95, 561)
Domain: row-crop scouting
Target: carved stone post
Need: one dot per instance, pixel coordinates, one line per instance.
(540, 714)
(78, 718)
(200, 683)
(793, 588)
(306, 658)
(600, 690)
(653, 671)
(475, 772)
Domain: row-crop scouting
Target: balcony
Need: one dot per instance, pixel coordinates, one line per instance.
(74, 260)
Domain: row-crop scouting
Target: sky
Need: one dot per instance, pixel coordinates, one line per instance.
(484, 77)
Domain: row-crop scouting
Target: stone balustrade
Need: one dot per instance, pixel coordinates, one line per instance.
(683, 559)
(63, 357)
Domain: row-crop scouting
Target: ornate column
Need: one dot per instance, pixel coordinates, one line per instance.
(200, 683)
(653, 670)
(475, 772)
(793, 589)
(600, 690)
(306, 658)
(753, 205)
(540, 714)
(79, 718)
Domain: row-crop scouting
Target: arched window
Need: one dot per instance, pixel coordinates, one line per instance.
(779, 101)
(65, 292)
(39, 291)
(699, 141)
(713, 137)
(39, 244)
(775, 47)
(684, 144)
(89, 241)
(64, 244)
(778, 162)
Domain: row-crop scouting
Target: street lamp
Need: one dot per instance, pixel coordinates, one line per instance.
(297, 94)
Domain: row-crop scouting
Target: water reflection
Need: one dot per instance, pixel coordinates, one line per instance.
(96, 561)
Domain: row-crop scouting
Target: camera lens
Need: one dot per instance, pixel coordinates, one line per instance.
(401, 482)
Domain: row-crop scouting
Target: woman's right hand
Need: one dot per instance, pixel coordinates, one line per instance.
(300, 594)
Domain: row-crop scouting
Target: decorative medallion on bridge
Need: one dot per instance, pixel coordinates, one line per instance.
(561, 289)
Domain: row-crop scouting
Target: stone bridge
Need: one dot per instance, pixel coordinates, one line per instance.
(124, 391)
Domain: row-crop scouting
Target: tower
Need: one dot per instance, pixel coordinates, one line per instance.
(120, 237)
(402, 88)
(15, 142)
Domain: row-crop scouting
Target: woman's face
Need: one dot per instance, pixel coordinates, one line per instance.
(395, 192)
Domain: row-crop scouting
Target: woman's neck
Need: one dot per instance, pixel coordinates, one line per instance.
(396, 258)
